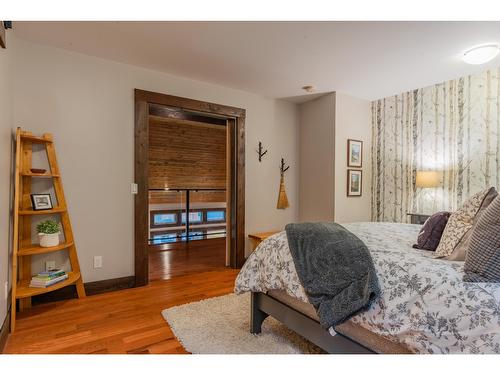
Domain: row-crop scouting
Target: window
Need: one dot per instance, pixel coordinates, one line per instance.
(219, 215)
(193, 234)
(194, 217)
(159, 219)
(198, 233)
(164, 238)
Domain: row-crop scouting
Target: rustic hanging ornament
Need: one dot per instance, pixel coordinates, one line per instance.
(282, 198)
(261, 152)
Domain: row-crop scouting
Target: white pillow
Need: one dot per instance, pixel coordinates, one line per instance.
(459, 223)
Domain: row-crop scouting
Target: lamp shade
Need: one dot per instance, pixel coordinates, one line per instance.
(427, 179)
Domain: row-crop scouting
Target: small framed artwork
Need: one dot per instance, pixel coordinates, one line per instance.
(41, 202)
(354, 153)
(354, 183)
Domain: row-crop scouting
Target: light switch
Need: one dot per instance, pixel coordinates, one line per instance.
(133, 188)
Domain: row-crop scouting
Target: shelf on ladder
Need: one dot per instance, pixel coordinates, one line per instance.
(24, 290)
(22, 247)
(54, 210)
(33, 139)
(46, 175)
(33, 250)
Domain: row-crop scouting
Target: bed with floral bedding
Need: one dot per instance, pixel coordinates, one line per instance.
(424, 304)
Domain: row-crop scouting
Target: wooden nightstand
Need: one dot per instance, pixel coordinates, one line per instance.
(418, 218)
(257, 238)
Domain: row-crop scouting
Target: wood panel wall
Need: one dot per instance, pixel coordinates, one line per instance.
(236, 213)
(160, 197)
(186, 154)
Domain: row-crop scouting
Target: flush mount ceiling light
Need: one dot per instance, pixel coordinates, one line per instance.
(482, 54)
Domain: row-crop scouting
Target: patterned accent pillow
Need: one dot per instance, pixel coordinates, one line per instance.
(431, 231)
(482, 263)
(461, 249)
(459, 223)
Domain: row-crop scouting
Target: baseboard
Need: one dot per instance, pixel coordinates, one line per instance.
(4, 332)
(91, 288)
(109, 285)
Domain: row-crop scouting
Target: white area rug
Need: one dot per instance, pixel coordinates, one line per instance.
(221, 325)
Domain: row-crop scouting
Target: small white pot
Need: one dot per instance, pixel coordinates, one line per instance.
(49, 240)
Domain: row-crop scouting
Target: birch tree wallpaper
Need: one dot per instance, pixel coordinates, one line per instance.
(453, 128)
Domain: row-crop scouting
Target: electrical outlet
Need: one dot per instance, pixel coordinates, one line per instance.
(6, 290)
(98, 261)
(50, 265)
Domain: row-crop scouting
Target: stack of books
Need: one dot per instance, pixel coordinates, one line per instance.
(47, 278)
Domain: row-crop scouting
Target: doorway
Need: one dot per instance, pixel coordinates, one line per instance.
(189, 171)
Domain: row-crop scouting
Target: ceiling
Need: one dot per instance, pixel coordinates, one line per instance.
(369, 60)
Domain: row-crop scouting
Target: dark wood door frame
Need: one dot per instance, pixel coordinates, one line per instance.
(236, 121)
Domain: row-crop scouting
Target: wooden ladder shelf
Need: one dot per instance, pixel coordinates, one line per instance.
(23, 248)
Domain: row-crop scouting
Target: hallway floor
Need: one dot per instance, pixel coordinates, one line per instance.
(179, 259)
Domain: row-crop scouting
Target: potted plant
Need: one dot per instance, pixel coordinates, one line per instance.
(48, 231)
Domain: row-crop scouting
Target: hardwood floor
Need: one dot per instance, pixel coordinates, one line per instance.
(126, 321)
(172, 260)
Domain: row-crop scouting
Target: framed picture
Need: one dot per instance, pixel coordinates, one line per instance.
(354, 183)
(41, 202)
(354, 153)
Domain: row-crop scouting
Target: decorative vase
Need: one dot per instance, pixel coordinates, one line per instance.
(49, 240)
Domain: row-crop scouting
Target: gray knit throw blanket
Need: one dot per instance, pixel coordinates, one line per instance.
(335, 269)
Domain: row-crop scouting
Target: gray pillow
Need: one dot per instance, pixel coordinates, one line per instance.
(431, 231)
(482, 262)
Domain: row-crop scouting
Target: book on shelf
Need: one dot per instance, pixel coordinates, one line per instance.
(49, 275)
(44, 282)
(50, 272)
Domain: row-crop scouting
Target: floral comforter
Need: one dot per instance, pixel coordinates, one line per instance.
(424, 304)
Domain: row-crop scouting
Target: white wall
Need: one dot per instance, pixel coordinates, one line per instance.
(88, 104)
(317, 166)
(279, 135)
(325, 125)
(5, 169)
(352, 121)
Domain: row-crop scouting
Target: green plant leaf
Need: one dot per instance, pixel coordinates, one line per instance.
(48, 227)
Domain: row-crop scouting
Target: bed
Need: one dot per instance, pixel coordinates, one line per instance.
(424, 307)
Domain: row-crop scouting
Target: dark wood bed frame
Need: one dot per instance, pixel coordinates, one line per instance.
(263, 305)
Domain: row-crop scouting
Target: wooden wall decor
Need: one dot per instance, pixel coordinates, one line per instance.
(282, 197)
(172, 197)
(235, 120)
(194, 158)
(260, 152)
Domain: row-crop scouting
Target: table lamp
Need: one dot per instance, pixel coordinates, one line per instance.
(427, 179)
